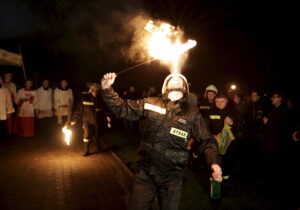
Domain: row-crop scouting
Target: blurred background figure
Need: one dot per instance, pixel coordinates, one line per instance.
(6, 108)
(7, 82)
(253, 121)
(91, 112)
(240, 106)
(24, 124)
(207, 102)
(152, 92)
(274, 127)
(63, 102)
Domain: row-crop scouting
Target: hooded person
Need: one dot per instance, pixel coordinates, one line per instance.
(169, 122)
(92, 113)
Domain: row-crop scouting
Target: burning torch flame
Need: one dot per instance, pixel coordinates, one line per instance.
(68, 134)
(165, 43)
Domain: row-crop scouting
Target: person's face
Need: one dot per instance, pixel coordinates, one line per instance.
(276, 99)
(28, 84)
(45, 83)
(131, 89)
(236, 99)
(254, 97)
(7, 77)
(152, 89)
(221, 103)
(64, 83)
(211, 95)
(94, 93)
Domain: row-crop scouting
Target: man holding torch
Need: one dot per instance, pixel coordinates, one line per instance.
(169, 123)
(92, 113)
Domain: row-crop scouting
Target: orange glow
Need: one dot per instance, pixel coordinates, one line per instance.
(165, 43)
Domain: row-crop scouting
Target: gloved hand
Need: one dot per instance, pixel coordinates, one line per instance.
(217, 172)
(70, 123)
(108, 80)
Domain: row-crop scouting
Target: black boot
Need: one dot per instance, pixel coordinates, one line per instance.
(86, 149)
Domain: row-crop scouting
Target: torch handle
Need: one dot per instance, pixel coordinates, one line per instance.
(135, 66)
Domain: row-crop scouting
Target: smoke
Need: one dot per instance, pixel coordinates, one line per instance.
(124, 35)
(127, 35)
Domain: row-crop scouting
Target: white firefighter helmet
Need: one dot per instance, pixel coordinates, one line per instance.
(169, 77)
(211, 88)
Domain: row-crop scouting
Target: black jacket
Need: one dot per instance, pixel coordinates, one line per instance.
(215, 119)
(91, 110)
(167, 127)
(205, 106)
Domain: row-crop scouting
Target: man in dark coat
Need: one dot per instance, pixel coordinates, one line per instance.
(91, 111)
(274, 127)
(169, 123)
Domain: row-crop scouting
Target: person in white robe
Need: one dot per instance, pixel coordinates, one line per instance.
(6, 108)
(63, 102)
(44, 101)
(7, 82)
(24, 124)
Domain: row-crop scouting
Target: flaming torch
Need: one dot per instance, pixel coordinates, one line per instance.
(68, 133)
(165, 43)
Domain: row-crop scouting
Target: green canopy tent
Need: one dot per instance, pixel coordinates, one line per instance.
(12, 59)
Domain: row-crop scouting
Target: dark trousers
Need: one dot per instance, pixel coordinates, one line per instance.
(90, 131)
(167, 190)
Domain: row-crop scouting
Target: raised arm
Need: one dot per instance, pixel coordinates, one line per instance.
(129, 109)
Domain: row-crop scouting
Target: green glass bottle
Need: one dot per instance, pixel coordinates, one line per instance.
(215, 189)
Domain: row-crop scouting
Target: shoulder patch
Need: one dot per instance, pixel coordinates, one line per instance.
(183, 121)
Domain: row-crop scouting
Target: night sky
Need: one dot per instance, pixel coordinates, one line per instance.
(238, 41)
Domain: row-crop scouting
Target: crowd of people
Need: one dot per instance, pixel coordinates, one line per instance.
(269, 124)
(241, 125)
(20, 108)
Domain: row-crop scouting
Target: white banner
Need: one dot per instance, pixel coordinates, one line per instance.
(9, 58)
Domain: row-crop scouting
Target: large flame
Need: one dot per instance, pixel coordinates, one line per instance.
(165, 43)
(68, 133)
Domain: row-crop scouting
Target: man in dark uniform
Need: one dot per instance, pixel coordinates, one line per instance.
(208, 101)
(91, 110)
(169, 122)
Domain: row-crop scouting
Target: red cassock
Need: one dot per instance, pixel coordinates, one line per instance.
(24, 123)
